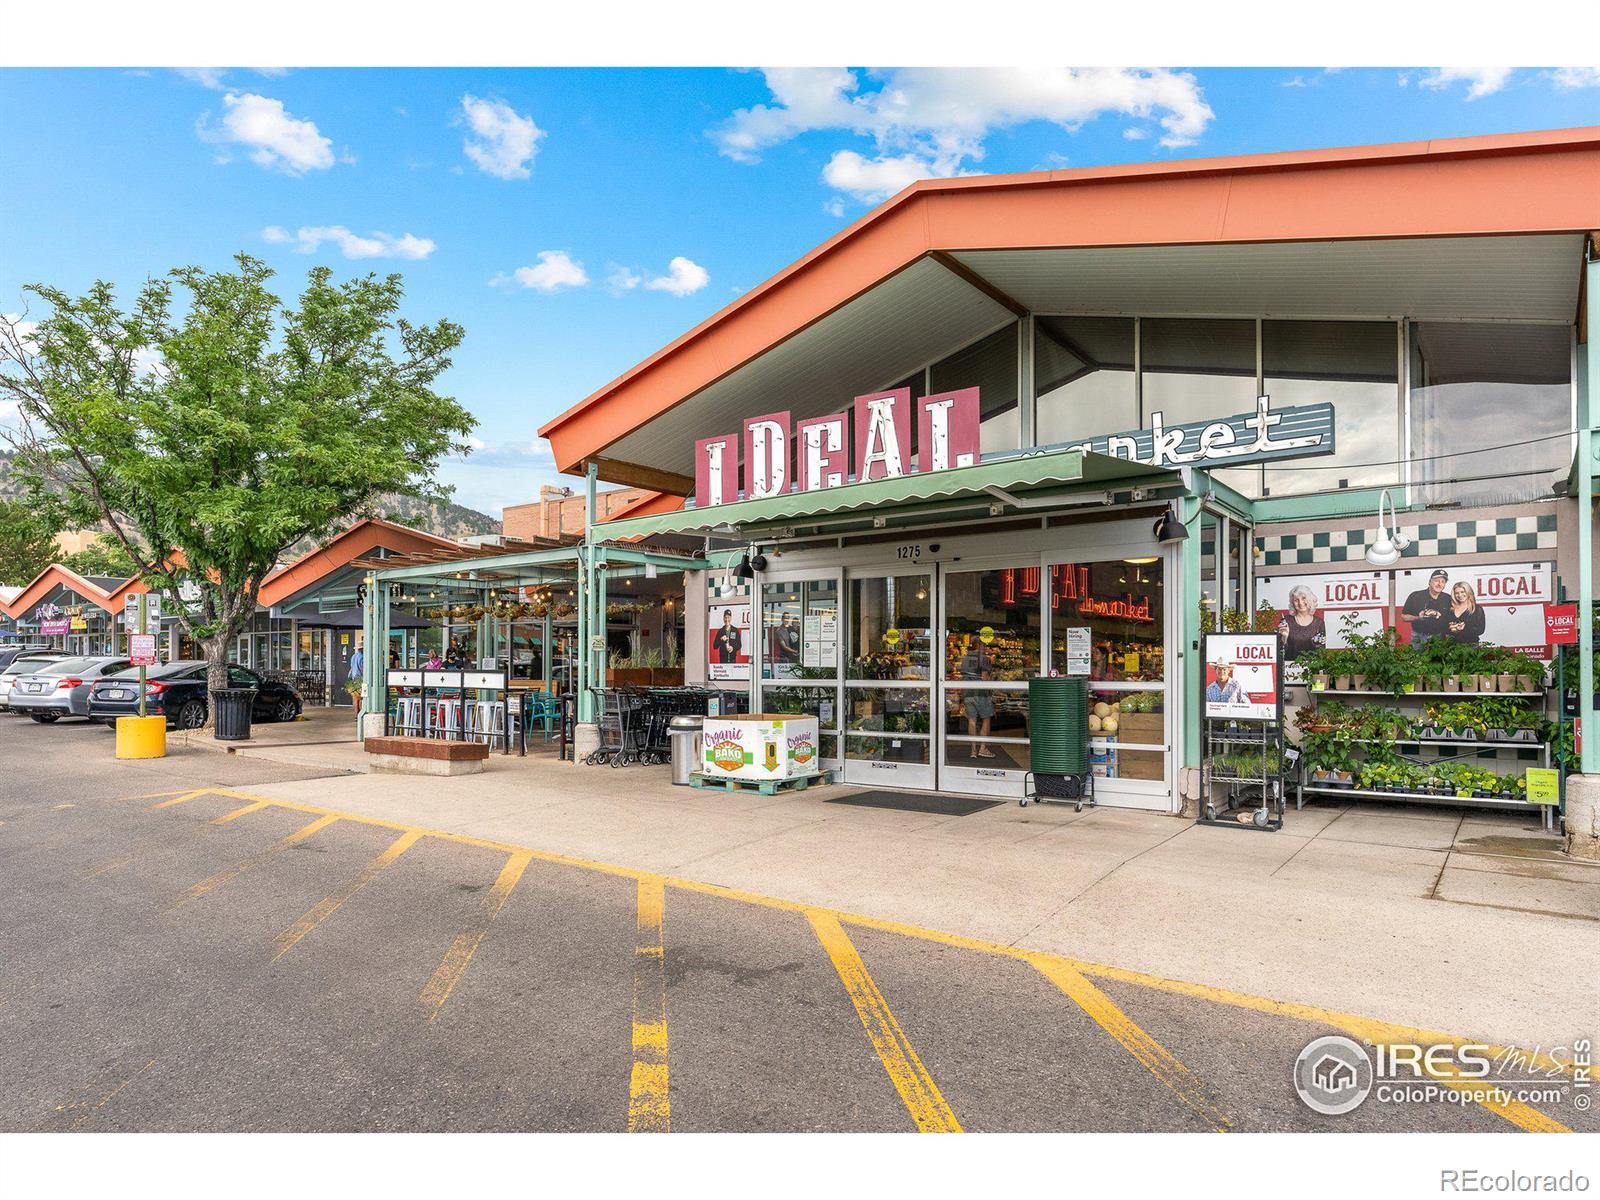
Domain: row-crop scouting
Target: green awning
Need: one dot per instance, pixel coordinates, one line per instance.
(1062, 474)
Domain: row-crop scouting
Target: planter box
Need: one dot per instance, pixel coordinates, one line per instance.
(1452, 683)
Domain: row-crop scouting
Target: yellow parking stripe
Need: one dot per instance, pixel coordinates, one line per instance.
(456, 959)
(179, 799)
(1149, 1053)
(649, 1101)
(290, 937)
(253, 806)
(221, 877)
(921, 1095)
(1363, 1028)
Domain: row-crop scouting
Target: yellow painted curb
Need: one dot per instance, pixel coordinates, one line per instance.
(141, 737)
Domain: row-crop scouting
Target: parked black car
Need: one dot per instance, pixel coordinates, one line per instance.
(11, 651)
(178, 691)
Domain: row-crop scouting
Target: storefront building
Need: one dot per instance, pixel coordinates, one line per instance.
(944, 437)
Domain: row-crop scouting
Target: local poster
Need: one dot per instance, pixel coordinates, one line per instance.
(1494, 605)
(728, 646)
(1242, 676)
(1313, 610)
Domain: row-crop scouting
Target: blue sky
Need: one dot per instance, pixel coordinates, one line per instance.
(576, 220)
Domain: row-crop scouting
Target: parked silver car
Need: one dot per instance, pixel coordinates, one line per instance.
(36, 661)
(61, 689)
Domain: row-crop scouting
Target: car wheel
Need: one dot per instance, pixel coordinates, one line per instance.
(46, 718)
(286, 709)
(192, 715)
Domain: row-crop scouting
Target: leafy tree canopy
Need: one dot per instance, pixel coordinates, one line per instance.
(27, 542)
(210, 442)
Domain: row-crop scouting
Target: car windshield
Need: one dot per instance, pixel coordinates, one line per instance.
(28, 666)
(165, 671)
(66, 666)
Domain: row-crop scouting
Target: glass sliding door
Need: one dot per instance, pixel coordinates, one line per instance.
(1121, 602)
(993, 634)
(888, 730)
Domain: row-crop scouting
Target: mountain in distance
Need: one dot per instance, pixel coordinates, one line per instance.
(444, 519)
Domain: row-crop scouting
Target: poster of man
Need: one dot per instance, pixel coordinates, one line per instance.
(728, 647)
(1242, 681)
(1497, 605)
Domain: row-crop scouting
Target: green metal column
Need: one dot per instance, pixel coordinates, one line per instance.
(602, 624)
(1588, 389)
(1188, 680)
(585, 597)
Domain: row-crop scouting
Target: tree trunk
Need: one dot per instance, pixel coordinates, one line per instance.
(216, 670)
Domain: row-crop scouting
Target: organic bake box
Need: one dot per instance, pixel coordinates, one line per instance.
(759, 746)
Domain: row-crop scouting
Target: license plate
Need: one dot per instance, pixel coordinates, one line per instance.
(119, 695)
(33, 687)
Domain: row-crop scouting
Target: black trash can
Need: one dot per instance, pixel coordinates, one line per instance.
(230, 712)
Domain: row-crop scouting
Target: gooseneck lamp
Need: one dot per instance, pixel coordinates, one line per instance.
(1387, 541)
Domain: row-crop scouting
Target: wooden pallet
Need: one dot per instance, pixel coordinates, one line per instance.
(766, 787)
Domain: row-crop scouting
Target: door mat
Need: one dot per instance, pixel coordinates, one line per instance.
(918, 802)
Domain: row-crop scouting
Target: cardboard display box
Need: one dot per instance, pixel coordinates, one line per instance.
(759, 746)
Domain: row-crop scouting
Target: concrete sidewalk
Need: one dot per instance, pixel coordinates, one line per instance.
(1470, 923)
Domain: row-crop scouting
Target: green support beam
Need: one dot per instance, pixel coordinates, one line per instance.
(1189, 621)
(1588, 389)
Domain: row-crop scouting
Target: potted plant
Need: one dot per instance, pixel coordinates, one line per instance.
(1316, 666)
(1266, 618)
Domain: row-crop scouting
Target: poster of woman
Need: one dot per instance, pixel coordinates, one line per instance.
(1302, 627)
(1497, 604)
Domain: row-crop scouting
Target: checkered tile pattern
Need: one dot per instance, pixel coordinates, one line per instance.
(1428, 540)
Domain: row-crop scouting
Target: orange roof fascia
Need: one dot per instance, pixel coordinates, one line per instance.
(646, 505)
(1541, 182)
(364, 536)
(48, 578)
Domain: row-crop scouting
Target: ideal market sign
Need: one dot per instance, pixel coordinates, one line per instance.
(781, 455)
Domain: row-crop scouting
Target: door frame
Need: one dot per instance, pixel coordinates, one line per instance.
(867, 772)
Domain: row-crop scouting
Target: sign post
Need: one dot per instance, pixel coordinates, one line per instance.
(143, 617)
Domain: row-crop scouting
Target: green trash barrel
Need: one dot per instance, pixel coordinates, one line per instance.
(1058, 718)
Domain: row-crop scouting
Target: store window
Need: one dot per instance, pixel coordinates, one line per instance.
(1083, 378)
(800, 630)
(891, 627)
(1199, 370)
(1475, 390)
(1210, 576)
(1122, 605)
(1353, 365)
(990, 366)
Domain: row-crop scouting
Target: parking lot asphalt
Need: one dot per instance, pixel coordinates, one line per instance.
(181, 954)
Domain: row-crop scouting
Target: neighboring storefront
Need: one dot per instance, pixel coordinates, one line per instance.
(943, 438)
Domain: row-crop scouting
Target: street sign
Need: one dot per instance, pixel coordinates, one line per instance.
(142, 649)
(152, 608)
(1560, 624)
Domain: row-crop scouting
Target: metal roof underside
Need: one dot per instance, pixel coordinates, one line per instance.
(1530, 278)
(1029, 477)
(873, 342)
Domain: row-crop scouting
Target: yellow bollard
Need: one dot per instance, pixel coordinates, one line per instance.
(141, 737)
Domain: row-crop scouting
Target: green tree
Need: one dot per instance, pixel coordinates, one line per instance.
(209, 442)
(27, 542)
(103, 556)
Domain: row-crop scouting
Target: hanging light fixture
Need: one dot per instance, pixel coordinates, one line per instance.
(744, 570)
(1169, 530)
(1387, 540)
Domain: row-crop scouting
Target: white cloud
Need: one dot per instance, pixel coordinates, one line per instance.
(556, 270)
(874, 179)
(503, 141)
(147, 361)
(1480, 81)
(275, 138)
(933, 120)
(24, 330)
(308, 238)
(684, 277)
(206, 77)
(623, 279)
(1134, 134)
(1576, 77)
